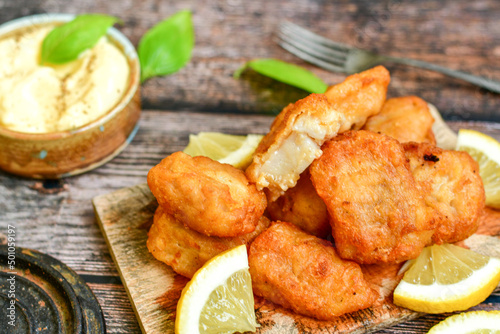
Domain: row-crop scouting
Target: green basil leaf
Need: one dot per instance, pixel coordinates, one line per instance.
(285, 72)
(167, 47)
(65, 43)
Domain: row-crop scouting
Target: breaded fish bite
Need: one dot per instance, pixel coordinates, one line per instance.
(293, 142)
(452, 187)
(378, 213)
(404, 118)
(209, 197)
(301, 272)
(359, 96)
(302, 207)
(186, 250)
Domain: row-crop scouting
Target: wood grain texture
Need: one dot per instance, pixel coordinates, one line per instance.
(457, 34)
(154, 288)
(56, 217)
(115, 304)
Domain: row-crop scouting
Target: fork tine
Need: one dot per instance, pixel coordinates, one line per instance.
(298, 30)
(320, 51)
(307, 57)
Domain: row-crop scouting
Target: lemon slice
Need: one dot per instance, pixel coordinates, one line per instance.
(469, 322)
(219, 297)
(486, 151)
(230, 149)
(447, 278)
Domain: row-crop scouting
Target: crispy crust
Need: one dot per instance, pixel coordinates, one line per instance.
(186, 250)
(293, 142)
(453, 188)
(404, 118)
(377, 211)
(359, 96)
(209, 197)
(298, 271)
(302, 207)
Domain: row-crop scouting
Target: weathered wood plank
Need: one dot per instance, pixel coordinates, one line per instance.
(62, 223)
(57, 218)
(115, 305)
(154, 288)
(458, 34)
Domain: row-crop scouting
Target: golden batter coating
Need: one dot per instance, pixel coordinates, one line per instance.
(404, 118)
(302, 207)
(209, 197)
(293, 142)
(378, 213)
(186, 250)
(453, 188)
(359, 96)
(298, 132)
(301, 272)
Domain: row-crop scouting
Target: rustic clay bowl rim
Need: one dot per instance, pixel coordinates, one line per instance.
(116, 36)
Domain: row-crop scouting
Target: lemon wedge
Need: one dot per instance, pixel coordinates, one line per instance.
(469, 322)
(447, 278)
(219, 297)
(486, 151)
(230, 149)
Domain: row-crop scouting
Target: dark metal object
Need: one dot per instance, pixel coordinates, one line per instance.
(338, 57)
(40, 294)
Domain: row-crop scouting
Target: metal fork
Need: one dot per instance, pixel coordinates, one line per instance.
(338, 57)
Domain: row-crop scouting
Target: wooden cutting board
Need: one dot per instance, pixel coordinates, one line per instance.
(154, 288)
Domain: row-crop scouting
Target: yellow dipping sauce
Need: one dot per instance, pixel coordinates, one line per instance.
(44, 99)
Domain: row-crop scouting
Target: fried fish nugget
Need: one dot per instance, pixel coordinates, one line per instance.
(293, 142)
(209, 197)
(301, 272)
(404, 118)
(186, 250)
(360, 96)
(377, 210)
(453, 188)
(302, 207)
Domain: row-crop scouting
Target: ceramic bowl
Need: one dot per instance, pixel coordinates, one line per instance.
(72, 152)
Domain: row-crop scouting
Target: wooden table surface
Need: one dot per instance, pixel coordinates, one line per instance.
(56, 216)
